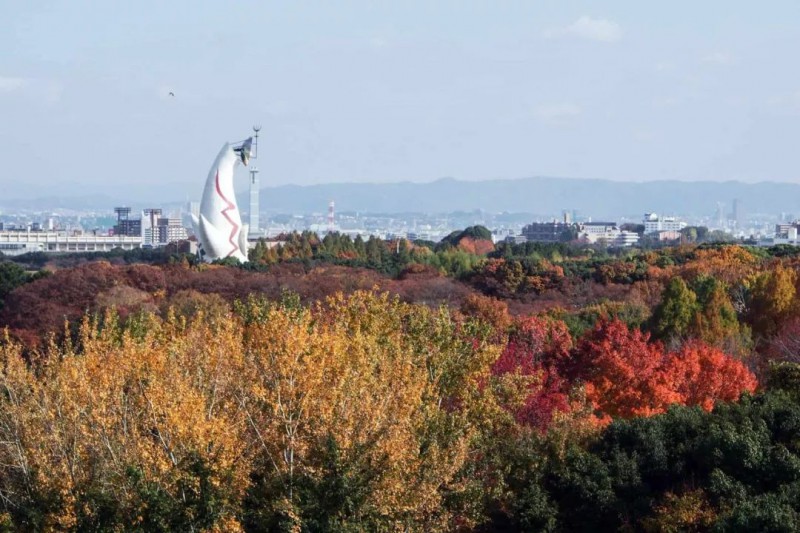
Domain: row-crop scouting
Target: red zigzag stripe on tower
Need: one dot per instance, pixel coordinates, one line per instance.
(229, 207)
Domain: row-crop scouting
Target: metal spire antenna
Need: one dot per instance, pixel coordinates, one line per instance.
(254, 204)
(331, 217)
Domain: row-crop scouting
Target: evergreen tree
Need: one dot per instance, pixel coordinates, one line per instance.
(673, 316)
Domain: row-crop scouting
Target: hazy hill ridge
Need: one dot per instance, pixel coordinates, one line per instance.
(544, 195)
(541, 195)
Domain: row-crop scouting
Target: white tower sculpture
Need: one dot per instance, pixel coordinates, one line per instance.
(219, 227)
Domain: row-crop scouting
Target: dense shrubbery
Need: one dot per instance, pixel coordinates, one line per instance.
(12, 276)
(348, 385)
(359, 413)
(153, 256)
(736, 468)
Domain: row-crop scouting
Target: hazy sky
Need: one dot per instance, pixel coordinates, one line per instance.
(380, 91)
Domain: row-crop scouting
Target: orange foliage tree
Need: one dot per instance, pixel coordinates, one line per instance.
(491, 310)
(702, 375)
(730, 263)
(625, 375)
(620, 369)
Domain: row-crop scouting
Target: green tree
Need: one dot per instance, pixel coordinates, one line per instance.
(689, 233)
(695, 233)
(673, 316)
(475, 232)
(11, 277)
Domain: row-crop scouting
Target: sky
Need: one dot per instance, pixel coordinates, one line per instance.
(394, 91)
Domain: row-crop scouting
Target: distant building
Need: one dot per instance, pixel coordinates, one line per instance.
(736, 214)
(127, 226)
(786, 230)
(598, 229)
(21, 242)
(516, 239)
(627, 238)
(607, 232)
(720, 215)
(668, 235)
(169, 230)
(655, 224)
(547, 232)
(784, 234)
(591, 232)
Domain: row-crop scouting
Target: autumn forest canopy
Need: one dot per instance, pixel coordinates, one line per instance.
(336, 384)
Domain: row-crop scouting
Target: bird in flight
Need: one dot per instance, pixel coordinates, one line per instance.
(171, 93)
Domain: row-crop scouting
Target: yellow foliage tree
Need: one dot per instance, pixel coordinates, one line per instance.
(772, 297)
(361, 409)
(384, 386)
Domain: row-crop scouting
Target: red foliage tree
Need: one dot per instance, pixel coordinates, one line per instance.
(620, 369)
(545, 390)
(700, 374)
(545, 339)
(536, 348)
(627, 376)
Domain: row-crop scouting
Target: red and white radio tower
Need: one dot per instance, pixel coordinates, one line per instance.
(331, 217)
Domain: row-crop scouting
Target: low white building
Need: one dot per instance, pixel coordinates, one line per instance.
(655, 224)
(607, 232)
(627, 238)
(23, 242)
(598, 229)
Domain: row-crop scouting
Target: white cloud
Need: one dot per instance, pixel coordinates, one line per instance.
(719, 58)
(557, 113)
(668, 101)
(603, 30)
(665, 67)
(378, 42)
(44, 91)
(52, 93)
(8, 84)
(786, 104)
(644, 135)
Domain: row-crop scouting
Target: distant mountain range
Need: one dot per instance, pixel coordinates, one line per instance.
(543, 196)
(79, 203)
(540, 195)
